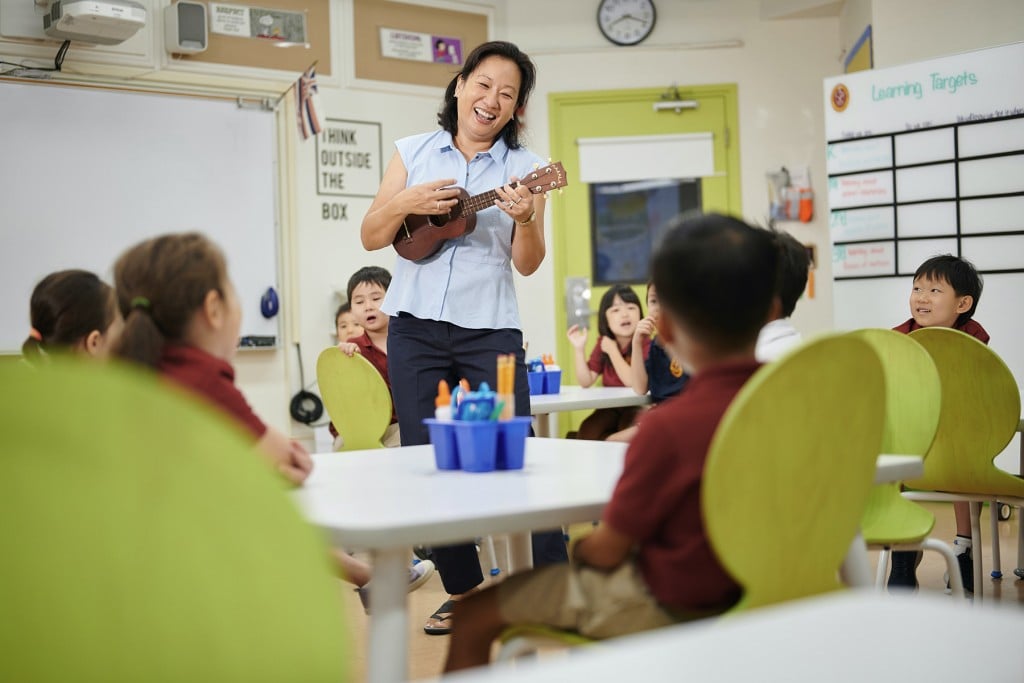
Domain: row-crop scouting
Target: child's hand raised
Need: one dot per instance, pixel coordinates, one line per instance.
(349, 348)
(577, 336)
(644, 328)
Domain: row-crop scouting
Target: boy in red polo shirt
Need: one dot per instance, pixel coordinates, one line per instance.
(366, 290)
(649, 563)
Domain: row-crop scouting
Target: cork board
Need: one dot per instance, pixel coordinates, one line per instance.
(266, 54)
(369, 16)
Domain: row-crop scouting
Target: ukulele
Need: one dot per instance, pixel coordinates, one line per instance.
(422, 236)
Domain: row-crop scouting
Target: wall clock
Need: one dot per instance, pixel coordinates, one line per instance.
(626, 22)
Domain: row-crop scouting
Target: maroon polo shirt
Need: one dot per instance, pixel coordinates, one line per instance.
(379, 360)
(656, 501)
(971, 327)
(602, 365)
(212, 378)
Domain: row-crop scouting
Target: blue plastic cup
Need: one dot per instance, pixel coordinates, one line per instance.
(478, 444)
(552, 381)
(442, 436)
(512, 443)
(536, 380)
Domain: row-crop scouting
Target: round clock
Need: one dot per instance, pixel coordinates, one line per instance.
(626, 22)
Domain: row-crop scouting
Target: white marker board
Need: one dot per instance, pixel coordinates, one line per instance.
(87, 172)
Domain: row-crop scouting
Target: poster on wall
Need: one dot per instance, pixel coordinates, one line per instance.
(348, 158)
(420, 47)
(258, 22)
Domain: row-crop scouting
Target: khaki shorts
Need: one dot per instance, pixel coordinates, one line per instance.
(592, 602)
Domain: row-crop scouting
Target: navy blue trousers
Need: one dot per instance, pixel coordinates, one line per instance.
(420, 354)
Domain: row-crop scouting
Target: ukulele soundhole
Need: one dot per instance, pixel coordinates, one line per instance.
(440, 221)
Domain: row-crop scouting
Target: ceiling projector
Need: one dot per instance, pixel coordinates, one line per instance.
(104, 22)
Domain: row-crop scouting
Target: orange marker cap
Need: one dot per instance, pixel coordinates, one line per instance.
(444, 396)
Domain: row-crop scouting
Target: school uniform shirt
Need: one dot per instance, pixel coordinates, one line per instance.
(971, 327)
(378, 359)
(211, 378)
(775, 338)
(656, 501)
(665, 376)
(602, 365)
(469, 281)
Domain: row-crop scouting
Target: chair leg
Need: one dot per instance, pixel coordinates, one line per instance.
(491, 556)
(997, 571)
(1019, 571)
(883, 564)
(956, 582)
(976, 549)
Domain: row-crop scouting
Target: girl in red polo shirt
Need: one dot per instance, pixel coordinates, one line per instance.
(617, 319)
(182, 318)
(72, 311)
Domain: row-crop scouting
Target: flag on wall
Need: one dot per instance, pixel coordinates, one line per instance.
(306, 92)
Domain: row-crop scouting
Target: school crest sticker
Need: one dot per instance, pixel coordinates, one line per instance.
(840, 97)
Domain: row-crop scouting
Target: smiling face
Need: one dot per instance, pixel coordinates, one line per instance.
(622, 319)
(366, 301)
(487, 99)
(934, 303)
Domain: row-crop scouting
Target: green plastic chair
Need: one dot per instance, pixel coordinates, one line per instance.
(980, 414)
(356, 397)
(143, 539)
(799, 425)
(912, 403)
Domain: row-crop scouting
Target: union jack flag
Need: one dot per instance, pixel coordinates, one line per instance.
(306, 94)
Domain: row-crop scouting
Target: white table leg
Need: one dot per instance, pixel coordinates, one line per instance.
(979, 584)
(389, 649)
(856, 570)
(520, 553)
(543, 424)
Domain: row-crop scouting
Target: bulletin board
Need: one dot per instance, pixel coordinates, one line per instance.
(370, 16)
(87, 172)
(268, 54)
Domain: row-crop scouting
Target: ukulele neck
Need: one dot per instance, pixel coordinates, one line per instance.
(481, 201)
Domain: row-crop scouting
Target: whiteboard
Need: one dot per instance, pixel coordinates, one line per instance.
(85, 173)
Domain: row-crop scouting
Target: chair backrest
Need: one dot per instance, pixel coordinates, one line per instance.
(356, 397)
(913, 398)
(980, 414)
(790, 467)
(144, 539)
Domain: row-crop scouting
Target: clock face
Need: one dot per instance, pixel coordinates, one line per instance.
(626, 22)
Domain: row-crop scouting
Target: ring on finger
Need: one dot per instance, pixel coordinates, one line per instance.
(509, 204)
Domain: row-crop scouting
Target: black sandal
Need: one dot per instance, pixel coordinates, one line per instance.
(442, 614)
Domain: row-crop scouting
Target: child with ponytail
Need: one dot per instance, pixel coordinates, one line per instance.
(71, 311)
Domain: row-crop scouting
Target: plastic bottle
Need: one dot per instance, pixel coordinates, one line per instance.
(443, 403)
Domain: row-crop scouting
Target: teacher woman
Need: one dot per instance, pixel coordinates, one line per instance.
(453, 313)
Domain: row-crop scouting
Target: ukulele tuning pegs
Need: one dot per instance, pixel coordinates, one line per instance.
(536, 166)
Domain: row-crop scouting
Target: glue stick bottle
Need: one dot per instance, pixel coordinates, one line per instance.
(443, 403)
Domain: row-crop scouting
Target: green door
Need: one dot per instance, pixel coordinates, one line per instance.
(625, 113)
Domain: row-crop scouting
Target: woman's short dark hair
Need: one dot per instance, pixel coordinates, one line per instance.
(448, 117)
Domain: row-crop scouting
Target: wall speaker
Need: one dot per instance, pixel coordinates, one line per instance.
(185, 30)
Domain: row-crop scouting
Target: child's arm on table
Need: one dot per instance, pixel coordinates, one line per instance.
(288, 457)
(614, 353)
(578, 338)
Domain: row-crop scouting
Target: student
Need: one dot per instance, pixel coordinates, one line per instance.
(618, 316)
(659, 372)
(945, 293)
(651, 551)
(366, 290)
(72, 310)
(779, 335)
(182, 318)
(345, 323)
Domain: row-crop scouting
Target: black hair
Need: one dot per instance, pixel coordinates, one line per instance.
(344, 308)
(794, 264)
(624, 292)
(961, 276)
(367, 275)
(717, 276)
(448, 117)
(66, 306)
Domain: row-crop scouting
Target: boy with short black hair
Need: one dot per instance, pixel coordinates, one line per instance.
(651, 550)
(366, 289)
(779, 335)
(945, 293)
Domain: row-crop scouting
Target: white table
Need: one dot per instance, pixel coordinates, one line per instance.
(843, 637)
(373, 500)
(388, 500)
(571, 397)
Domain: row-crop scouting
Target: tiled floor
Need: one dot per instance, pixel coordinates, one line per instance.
(426, 653)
